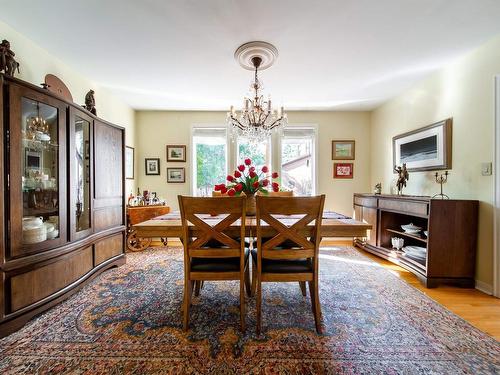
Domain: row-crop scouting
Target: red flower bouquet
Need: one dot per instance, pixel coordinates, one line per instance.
(246, 179)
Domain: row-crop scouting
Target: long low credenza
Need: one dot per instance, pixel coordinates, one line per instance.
(451, 239)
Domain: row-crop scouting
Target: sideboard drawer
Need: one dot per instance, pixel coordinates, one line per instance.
(365, 201)
(416, 208)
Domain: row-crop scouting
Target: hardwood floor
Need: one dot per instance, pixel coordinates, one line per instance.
(477, 308)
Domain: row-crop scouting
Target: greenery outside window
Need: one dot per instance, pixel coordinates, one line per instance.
(209, 147)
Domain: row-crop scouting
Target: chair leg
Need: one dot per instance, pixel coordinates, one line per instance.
(303, 288)
(247, 280)
(258, 306)
(197, 288)
(192, 284)
(254, 279)
(316, 307)
(188, 289)
(242, 303)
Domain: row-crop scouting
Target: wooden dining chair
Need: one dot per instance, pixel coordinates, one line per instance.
(209, 252)
(274, 262)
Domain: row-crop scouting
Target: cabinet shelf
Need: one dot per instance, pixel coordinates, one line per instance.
(399, 255)
(418, 237)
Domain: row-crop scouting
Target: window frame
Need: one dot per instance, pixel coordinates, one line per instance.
(192, 185)
(279, 144)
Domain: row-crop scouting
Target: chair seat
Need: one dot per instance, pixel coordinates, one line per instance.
(217, 264)
(283, 265)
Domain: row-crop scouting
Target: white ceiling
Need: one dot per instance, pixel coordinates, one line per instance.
(178, 54)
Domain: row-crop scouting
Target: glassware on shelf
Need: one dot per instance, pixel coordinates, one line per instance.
(397, 243)
(40, 174)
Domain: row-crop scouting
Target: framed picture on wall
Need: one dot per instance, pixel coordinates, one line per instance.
(176, 153)
(152, 166)
(343, 170)
(176, 175)
(129, 163)
(424, 149)
(33, 159)
(343, 150)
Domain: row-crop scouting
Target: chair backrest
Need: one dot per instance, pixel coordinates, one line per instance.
(271, 217)
(288, 193)
(200, 227)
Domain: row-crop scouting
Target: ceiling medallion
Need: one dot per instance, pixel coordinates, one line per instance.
(257, 119)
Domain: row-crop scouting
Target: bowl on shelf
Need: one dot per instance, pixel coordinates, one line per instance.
(49, 227)
(53, 234)
(34, 234)
(411, 229)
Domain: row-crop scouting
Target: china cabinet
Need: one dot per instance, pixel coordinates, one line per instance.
(61, 207)
(441, 248)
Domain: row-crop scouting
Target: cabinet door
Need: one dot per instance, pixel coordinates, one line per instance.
(370, 217)
(37, 171)
(80, 174)
(109, 183)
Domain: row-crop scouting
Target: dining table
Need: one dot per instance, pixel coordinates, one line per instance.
(332, 225)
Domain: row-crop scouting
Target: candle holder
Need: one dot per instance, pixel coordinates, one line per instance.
(441, 179)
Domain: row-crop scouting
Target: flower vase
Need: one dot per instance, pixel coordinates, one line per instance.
(251, 204)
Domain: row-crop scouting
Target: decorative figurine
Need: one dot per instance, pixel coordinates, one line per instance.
(403, 176)
(441, 179)
(90, 102)
(378, 188)
(7, 62)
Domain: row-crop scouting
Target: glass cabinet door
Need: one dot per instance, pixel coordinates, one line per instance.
(80, 151)
(37, 171)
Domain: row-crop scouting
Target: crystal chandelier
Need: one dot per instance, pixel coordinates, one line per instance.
(37, 128)
(256, 120)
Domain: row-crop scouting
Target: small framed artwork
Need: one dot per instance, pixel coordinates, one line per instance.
(343, 170)
(343, 150)
(33, 159)
(424, 149)
(129, 163)
(176, 153)
(176, 175)
(152, 166)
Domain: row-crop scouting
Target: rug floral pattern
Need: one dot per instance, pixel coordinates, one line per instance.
(128, 320)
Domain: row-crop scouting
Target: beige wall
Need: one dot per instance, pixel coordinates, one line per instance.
(464, 91)
(155, 129)
(36, 62)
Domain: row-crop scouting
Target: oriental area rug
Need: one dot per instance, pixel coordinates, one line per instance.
(128, 321)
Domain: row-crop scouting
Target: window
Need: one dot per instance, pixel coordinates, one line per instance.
(291, 152)
(209, 147)
(298, 160)
(260, 154)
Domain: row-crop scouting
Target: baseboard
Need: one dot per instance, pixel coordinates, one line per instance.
(483, 287)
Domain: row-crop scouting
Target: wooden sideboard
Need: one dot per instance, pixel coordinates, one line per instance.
(451, 241)
(62, 169)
